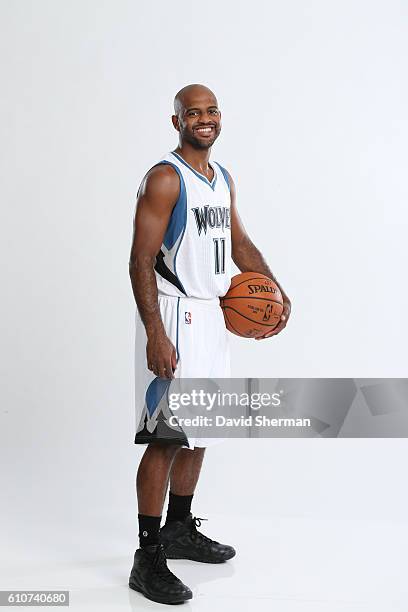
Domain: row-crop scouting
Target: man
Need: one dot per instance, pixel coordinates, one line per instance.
(186, 232)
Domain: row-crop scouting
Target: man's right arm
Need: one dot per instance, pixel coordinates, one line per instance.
(157, 196)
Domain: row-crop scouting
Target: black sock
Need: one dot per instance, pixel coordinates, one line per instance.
(179, 507)
(149, 527)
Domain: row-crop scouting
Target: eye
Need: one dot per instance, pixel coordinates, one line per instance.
(192, 113)
(214, 111)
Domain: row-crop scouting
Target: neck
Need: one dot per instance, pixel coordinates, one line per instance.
(197, 158)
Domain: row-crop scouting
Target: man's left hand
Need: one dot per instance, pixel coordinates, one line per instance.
(283, 320)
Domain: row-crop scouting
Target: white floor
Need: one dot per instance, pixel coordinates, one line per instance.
(284, 565)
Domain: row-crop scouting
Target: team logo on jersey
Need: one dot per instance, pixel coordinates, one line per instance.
(212, 216)
(187, 318)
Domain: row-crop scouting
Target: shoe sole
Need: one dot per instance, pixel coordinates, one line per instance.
(163, 600)
(170, 556)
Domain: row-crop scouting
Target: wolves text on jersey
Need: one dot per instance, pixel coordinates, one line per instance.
(212, 216)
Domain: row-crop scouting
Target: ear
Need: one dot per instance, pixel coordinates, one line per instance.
(175, 122)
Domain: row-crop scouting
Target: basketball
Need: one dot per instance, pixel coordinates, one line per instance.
(253, 305)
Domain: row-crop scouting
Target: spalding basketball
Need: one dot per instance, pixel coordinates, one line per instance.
(253, 305)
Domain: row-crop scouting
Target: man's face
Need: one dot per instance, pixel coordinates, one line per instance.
(199, 121)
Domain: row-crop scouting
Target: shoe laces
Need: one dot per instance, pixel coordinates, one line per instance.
(196, 522)
(159, 564)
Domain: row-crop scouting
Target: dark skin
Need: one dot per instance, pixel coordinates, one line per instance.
(197, 119)
(160, 464)
(153, 477)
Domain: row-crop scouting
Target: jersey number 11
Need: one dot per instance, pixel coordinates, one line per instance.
(219, 255)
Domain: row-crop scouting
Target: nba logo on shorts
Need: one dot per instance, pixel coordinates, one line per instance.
(187, 318)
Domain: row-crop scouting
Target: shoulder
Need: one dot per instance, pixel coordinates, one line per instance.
(161, 179)
(162, 173)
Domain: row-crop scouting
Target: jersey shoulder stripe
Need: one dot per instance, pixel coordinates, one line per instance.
(225, 175)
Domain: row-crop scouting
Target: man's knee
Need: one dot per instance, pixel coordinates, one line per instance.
(164, 449)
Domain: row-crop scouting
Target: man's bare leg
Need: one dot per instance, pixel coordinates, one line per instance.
(185, 471)
(151, 486)
(153, 476)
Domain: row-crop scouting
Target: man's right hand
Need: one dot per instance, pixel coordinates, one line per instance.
(161, 355)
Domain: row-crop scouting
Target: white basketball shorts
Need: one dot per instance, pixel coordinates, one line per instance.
(197, 329)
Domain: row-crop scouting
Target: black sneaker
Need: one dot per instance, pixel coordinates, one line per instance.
(181, 540)
(151, 576)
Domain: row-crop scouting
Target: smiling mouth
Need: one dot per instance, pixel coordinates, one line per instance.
(204, 131)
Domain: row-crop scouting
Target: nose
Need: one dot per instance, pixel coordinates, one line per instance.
(206, 118)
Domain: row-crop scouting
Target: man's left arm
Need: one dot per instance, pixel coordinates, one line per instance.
(248, 258)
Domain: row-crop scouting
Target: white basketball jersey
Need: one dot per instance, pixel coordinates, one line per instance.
(195, 257)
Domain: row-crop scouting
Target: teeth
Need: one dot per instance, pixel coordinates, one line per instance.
(204, 129)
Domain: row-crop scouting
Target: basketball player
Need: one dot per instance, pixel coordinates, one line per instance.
(186, 232)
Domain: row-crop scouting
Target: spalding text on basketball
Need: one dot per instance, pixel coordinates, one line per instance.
(262, 288)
